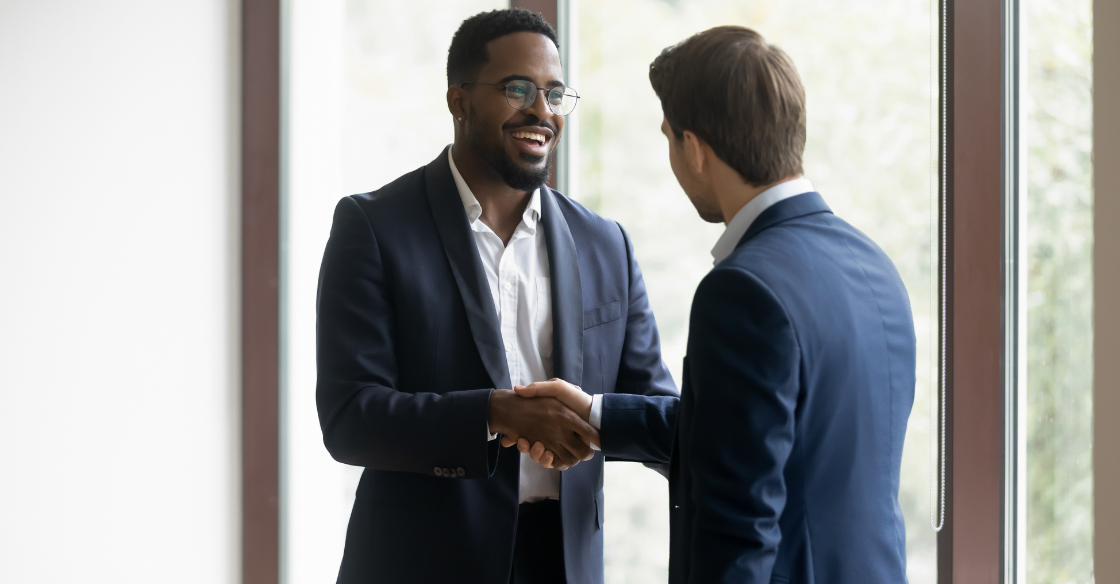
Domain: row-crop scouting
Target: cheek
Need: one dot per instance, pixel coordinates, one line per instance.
(674, 161)
(489, 118)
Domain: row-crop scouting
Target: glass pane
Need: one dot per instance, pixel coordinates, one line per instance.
(1057, 103)
(867, 68)
(366, 104)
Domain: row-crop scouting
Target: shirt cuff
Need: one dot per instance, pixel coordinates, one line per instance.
(489, 437)
(595, 418)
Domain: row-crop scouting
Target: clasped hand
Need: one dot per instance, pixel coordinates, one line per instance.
(548, 420)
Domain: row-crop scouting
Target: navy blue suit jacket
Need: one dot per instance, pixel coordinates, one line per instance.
(409, 349)
(798, 385)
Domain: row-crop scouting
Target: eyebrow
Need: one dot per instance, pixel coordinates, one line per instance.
(553, 83)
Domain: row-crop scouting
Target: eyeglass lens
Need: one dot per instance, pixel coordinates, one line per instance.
(521, 94)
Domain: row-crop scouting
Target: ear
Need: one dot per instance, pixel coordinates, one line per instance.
(457, 102)
(695, 152)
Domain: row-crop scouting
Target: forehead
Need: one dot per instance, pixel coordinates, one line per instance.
(522, 53)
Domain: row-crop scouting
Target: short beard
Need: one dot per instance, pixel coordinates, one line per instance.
(515, 176)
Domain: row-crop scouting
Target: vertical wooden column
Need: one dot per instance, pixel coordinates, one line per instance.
(969, 545)
(547, 8)
(1106, 292)
(260, 300)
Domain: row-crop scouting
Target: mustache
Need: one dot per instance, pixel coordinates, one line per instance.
(530, 120)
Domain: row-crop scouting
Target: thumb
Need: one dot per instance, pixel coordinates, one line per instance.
(525, 390)
(540, 389)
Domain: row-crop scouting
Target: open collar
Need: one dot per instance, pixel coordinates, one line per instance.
(473, 208)
(746, 216)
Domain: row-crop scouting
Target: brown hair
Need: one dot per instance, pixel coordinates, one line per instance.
(738, 93)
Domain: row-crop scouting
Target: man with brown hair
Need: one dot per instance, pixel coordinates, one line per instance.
(799, 377)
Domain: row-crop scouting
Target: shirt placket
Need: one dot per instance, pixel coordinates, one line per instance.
(507, 285)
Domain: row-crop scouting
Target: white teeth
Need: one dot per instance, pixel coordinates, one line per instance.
(530, 136)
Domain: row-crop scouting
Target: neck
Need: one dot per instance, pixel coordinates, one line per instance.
(733, 194)
(502, 205)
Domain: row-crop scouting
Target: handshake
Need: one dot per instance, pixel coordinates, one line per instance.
(548, 420)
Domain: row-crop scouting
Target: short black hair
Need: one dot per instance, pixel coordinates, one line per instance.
(468, 54)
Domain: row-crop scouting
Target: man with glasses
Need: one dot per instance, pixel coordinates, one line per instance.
(441, 292)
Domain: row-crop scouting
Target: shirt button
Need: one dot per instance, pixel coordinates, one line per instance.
(509, 346)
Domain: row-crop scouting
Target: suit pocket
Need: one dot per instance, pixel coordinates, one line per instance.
(602, 315)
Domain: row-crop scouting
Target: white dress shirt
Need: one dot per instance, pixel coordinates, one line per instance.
(741, 222)
(518, 276)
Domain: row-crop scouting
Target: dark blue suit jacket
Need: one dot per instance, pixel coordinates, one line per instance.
(408, 351)
(798, 385)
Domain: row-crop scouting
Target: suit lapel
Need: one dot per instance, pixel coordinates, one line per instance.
(462, 253)
(567, 291)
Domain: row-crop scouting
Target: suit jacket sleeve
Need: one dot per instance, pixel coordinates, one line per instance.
(639, 419)
(744, 383)
(365, 420)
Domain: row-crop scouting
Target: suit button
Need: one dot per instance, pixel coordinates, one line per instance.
(439, 471)
(461, 472)
(447, 473)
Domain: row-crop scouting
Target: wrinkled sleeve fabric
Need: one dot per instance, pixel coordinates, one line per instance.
(743, 357)
(639, 418)
(366, 421)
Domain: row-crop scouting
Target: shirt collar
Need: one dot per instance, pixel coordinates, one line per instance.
(474, 208)
(741, 223)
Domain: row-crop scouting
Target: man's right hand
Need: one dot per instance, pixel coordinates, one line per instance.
(546, 420)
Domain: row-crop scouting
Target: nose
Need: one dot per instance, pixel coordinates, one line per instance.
(539, 107)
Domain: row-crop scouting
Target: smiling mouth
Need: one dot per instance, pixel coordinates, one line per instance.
(540, 139)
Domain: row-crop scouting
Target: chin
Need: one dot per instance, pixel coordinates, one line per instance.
(710, 216)
(530, 161)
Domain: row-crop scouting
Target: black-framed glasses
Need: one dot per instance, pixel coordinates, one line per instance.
(521, 94)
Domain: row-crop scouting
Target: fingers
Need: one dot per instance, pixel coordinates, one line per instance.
(578, 448)
(586, 432)
(551, 388)
(570, 451)
(537, 452)
(570, 395)
(549, 431)
(507, 442)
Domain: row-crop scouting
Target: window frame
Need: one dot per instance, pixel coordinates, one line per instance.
(260, 290)
(981, 286)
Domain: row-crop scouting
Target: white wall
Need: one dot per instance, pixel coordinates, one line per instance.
(118, 299)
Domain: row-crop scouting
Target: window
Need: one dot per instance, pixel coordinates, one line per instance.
(869, 69)
(1056, 198)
